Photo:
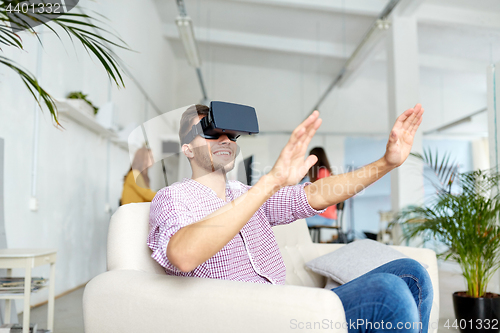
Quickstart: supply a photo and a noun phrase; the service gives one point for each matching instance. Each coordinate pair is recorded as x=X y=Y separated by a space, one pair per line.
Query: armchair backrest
x=296 y=249
x=128 y=232
x=127 y=248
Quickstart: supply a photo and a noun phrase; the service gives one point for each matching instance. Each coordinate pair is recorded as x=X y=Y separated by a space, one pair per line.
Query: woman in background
x=137 y=190
x=321 y=170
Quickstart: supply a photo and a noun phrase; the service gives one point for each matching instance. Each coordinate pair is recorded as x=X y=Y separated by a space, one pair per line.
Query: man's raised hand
x=292 y=165
x=402 y=134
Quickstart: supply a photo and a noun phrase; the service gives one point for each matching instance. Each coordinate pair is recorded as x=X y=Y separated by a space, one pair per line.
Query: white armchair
x=135 y=294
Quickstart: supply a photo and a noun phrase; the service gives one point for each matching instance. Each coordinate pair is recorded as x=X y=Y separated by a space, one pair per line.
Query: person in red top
x=318 y=171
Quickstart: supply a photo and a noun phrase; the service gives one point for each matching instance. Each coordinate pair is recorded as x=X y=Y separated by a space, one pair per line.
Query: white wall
x=73 y=163
x=448 y=97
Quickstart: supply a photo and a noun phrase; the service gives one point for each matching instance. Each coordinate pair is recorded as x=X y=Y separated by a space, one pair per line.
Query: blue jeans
x=398 y=294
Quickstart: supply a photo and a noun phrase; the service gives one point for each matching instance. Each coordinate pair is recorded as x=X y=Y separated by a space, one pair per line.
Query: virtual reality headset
x=225 y=118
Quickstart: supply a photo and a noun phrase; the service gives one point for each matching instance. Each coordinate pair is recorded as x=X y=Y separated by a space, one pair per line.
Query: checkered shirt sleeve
x=168 y=214
x=287 y=205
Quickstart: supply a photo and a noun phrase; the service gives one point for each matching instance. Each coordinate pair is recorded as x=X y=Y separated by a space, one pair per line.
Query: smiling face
x=211 y=155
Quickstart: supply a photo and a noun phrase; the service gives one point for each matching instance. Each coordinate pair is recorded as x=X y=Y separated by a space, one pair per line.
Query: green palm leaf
x=79 y=27
x=38 y=93
x=444 y=170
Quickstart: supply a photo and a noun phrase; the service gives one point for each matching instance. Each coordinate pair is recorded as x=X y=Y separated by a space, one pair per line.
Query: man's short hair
x=187 y=118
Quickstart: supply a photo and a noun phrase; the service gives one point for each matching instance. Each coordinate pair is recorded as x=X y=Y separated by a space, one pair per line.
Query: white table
x=28 y=259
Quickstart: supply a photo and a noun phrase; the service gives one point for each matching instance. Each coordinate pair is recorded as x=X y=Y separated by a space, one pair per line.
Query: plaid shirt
x=252 y=255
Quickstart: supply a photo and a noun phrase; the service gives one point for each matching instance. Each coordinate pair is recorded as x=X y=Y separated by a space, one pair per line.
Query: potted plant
x=79 y=101
x=463 y=215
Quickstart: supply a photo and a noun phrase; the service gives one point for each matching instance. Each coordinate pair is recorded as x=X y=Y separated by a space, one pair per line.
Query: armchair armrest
x=135 y=301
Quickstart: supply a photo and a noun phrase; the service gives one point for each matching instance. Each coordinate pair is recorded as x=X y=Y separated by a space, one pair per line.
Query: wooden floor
x=69 y=310
x=449 y=282
x=68 y=317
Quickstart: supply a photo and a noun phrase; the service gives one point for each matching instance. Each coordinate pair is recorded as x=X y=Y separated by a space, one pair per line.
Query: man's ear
x=187 y=150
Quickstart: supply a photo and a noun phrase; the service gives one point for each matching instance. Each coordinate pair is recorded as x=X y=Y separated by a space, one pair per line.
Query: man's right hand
x=292 y=165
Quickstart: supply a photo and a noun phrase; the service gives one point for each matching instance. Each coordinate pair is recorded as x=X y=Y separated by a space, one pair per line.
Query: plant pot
x=477 y=314
x=81 y=106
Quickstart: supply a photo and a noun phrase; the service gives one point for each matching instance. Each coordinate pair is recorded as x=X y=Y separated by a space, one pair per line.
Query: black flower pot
x=477 y=314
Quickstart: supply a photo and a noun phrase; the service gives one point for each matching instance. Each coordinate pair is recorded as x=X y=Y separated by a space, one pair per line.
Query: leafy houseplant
x=79 y=26
x=466 y=222
x=82 y=96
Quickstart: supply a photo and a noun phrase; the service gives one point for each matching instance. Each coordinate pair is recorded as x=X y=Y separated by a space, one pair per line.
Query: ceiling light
x=185 y=26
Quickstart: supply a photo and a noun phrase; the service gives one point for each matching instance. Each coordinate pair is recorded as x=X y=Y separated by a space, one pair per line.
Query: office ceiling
x=458 y=39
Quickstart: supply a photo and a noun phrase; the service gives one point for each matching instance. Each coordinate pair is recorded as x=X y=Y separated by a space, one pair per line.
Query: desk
x=28 y=259
x=315 y=232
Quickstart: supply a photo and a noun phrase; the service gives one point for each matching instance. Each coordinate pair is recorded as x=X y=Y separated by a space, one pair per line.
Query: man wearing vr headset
x=210 y=227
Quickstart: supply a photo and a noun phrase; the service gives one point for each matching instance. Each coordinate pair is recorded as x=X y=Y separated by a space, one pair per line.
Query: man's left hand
x=402 y=134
